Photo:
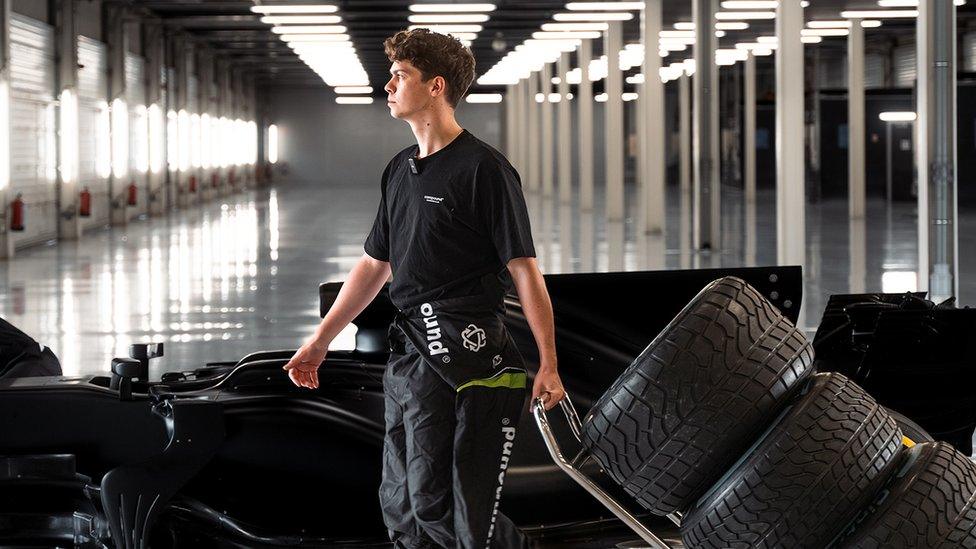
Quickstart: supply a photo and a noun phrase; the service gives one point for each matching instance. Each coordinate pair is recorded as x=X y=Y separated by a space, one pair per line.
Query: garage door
x=32 y=119
x=94 y=148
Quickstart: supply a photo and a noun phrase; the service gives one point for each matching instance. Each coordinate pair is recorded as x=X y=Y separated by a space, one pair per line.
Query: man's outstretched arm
x=363 y=283
x=534 y=297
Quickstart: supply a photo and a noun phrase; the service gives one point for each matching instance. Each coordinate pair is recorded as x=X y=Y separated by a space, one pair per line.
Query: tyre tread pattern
x=806 y=479
x=930 y=503
x=697 y=396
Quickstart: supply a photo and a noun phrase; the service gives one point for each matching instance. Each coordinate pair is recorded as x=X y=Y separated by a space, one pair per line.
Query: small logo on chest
x=433 y=199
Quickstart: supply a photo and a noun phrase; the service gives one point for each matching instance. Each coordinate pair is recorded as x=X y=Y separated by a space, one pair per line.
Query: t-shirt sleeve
x=378 y=241
x=502 y=208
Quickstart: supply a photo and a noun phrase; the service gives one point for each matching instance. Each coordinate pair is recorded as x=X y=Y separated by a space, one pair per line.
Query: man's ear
x=439 y=86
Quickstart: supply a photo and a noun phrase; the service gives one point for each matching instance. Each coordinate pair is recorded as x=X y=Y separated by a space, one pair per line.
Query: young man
x=453 y=229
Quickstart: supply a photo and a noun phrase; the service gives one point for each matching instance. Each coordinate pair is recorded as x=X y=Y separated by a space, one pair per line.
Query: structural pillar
x=117 y=41
x=523 y=130
x=6 y=196
x=652 y=109
x=856 y=186
x=154 y=48
x=684 y=130
x=533 y=114
x=509 y=124
x=545 y=85
x=614 y=124
x=69 y=222
x=790 y=170
x=564 y=138
x=749 y=127
x=706 y=225
x=585 y=113
x=938 y=238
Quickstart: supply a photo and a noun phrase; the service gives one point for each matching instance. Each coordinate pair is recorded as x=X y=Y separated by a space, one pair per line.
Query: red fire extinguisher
x=84 y=203
x=17 y=214
x=193 y=183
x=230 y=176
x=214 y=180
x=133 y=194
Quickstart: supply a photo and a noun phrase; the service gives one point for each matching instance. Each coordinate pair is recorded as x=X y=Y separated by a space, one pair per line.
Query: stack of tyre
x=723 y=420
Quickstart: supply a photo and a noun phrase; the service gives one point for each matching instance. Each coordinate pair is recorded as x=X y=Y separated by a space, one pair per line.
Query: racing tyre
x=930 y=504
x=697 y=396
x=806 y=479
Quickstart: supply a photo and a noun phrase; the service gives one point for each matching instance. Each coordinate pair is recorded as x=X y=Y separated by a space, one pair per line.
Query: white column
x=69 y=226
x=509 y=106
x=564 y=138
x=790 y=197
x=684 y=131
x=545 y=85
x=938 y=242
x=652 y=103
x=523 y=131
x=585 y=113
x=6 y=196
x=705 y=188
x=117 y=39
x=533 y=164
x=856 y=186
x=614 y=124
x=749 y=123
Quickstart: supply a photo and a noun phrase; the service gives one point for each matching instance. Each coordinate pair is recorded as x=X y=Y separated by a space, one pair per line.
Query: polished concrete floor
x=218 y=281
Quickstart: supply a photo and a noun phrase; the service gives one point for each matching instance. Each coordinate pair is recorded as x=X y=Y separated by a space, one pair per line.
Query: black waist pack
x=465 y=341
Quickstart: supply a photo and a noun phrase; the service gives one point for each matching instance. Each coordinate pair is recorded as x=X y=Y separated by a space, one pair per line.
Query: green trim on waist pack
x=505 y=380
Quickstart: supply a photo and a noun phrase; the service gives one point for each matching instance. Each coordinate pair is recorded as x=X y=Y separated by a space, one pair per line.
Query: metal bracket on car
x=571 y=468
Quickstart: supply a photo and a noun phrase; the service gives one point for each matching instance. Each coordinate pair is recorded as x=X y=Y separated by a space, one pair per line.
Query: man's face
x=407 y=93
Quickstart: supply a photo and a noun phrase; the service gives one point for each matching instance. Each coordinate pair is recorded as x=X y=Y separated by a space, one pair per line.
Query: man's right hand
x=303 y=368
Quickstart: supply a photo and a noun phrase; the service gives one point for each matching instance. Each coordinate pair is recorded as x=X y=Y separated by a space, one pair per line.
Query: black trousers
x=445 y=454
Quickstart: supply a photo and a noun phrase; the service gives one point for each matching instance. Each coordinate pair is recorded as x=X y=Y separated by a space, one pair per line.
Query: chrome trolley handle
x=569 y=467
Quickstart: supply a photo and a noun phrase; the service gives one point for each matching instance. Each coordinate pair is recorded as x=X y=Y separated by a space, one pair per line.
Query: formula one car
x=233 y=454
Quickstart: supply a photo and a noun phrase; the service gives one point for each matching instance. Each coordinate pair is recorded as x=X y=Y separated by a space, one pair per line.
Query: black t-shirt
x=461 y=217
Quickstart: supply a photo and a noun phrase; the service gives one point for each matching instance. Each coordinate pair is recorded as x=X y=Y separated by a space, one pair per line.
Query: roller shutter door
x=874 y=73
x=904 y=73
x=969 y=52
x=32 y=120
x=94 y=148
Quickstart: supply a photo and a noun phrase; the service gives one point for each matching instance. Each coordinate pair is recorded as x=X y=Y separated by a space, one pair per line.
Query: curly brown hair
x=434 y=55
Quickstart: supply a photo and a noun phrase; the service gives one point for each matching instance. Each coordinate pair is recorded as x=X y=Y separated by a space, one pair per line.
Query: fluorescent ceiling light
x=811 y=39
x=610 y=6
x=313 y=29
x=877 y=14
x=677 y=34
x=301 y=19
x=908 y=3
x=449 y=18
x=833 y=24
x=317 y=8
x=354 y=89
x=309 y=38
x=484 y=98
x=684 y=25
x=447 y=29
x=354 y=100
x=736 y=15
x=749 y=5
x=543 y=35
x=767 y=40
x=622 y=16
x=824 y=32
x=731 y=25
x=719 y=34
x=452 y=8
x=905 y=116
x=575 y=26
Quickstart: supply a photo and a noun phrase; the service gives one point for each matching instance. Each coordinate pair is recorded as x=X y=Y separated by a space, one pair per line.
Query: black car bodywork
x=233 y=453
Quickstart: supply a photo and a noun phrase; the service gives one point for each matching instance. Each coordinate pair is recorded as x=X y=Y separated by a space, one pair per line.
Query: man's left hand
x=548 y=386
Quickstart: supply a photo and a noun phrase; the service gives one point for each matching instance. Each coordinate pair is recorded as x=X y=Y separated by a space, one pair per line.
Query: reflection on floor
x=218 y=281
